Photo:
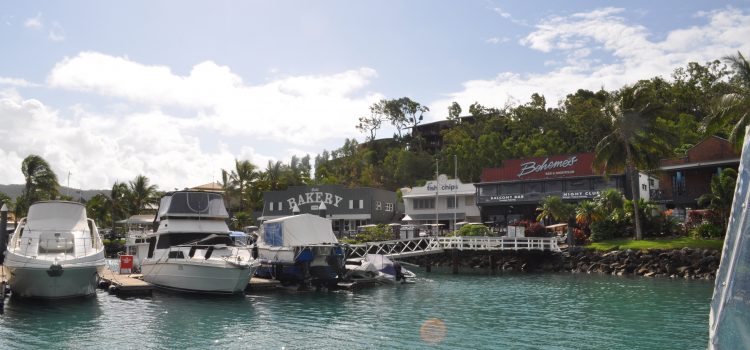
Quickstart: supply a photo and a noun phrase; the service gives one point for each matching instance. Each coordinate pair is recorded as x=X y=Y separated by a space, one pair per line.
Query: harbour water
x=442 y=311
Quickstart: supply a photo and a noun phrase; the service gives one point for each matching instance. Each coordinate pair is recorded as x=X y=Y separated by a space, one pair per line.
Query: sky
x=177 y=90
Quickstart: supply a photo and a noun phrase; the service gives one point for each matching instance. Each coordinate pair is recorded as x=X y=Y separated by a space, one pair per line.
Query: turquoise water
x=524 y=311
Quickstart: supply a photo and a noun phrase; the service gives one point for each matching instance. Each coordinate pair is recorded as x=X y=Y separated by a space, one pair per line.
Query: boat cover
x=729 y=321
x=297 y=230
x=57 y=215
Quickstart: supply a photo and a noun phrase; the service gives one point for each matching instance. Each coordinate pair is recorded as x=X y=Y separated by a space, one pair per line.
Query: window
x=280 y=207
x=451 y=202
x=553 y=186
x=378 y=205
x=679 y=185
x=488 y=190
x=651 y=182
x=532 y=187
x=351 y=204
x=361 y=204
x=388 y=206
x=643 y=186
x=356 y=204
x=426 y=203
x=510 y=188
x=270 y=206
x=577 y=185
x=469 y=201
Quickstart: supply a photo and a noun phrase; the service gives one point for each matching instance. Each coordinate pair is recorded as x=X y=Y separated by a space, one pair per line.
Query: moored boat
x=376 y=269
x=191 y=250
x=55 y=252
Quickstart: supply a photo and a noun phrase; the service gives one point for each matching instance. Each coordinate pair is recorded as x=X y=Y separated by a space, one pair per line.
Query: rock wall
x=679 y=263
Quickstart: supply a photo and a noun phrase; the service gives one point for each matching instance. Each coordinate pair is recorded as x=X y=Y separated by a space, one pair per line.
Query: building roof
x=211 y=186
x=709 y=152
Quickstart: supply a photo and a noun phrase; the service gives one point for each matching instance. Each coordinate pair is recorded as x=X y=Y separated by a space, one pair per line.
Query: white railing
x=431 y=245
x=499 y=243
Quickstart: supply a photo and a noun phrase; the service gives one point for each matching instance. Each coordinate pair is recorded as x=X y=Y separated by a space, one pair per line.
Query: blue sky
x=176 y=90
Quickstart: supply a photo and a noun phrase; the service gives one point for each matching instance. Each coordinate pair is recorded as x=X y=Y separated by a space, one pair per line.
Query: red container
x=126 y=262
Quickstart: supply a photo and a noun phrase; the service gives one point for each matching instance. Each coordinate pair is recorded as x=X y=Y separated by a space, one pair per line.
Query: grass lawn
x=667 y=243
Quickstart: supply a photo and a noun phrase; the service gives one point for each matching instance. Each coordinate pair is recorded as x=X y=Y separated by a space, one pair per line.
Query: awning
x=350 y=217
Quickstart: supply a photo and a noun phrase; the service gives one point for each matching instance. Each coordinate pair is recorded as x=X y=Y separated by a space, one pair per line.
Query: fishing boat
x=375 y=269
x=300 y=249
x=55 y=252
x=191 y=249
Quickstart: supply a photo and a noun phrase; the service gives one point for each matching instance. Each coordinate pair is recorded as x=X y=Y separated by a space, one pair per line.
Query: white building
x=455 y=203
x=647 y=184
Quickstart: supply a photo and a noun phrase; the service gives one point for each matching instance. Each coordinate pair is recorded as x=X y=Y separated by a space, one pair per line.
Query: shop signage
x=446 y=187
x=549 y=168
x=315 y=198
x=503 y=198
x=580 y=194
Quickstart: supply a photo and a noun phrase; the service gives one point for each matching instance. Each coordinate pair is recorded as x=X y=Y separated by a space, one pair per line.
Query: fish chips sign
x=540 y=168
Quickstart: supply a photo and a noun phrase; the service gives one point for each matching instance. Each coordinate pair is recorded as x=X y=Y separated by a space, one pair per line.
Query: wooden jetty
x=124 y=284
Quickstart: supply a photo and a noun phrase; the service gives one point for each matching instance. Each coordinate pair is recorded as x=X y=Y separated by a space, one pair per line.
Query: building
x=348 y=208
x=514 y=191
x=684 y=179
x=444 y=200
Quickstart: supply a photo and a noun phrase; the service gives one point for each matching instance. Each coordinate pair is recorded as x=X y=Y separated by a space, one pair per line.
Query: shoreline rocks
x=677 y=263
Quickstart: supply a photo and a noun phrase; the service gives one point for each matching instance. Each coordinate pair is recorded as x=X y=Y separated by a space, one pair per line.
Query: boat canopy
x=57 y=215
x=193 y=204
x=297 y=230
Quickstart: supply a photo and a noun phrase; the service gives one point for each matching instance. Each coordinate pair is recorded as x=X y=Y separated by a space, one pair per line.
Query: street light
x=322 y=210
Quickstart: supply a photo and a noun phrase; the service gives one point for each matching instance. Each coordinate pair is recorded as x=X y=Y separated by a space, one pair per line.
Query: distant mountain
x=14 y=191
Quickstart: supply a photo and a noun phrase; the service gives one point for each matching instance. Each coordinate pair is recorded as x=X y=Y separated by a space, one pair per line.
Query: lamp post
x=295 y=210
x=322 y=210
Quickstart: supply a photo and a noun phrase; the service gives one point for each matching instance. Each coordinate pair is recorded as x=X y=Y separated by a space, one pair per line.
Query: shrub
x=605 y=229
x=381 y=232
x=535 y=229
x=707 y=230
x=473 y=230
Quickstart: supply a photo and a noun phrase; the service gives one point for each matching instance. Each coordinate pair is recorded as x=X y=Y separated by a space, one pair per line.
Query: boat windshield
x=193 y=204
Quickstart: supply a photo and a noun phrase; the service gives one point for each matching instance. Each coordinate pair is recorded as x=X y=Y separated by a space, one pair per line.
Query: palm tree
x=637 y=140
x=99 y=209
x=586 y=213
x=553 y=207
x=41 y=182
x=244 y=173
x=735 y=105
x=610 y=202
x=722 y=194
x=118 y=202
x=141 y=194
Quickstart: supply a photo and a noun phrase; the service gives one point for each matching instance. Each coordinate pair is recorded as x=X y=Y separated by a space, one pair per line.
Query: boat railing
x=499 y=243
x=53 y=243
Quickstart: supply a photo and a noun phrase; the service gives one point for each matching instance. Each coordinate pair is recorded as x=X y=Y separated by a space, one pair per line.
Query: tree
x=141 y=194
x=119 y=202
x=735 y=105
x=586 y=213
x=637 y=140
x=100 y=210
x=553 y=207
x=372 y=123
x=722 y=194
x=41 y=183
x=240 y=178
x=454 y=113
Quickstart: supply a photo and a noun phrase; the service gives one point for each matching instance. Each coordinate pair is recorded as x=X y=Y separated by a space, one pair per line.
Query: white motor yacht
x=191 y=249
x=55 y=252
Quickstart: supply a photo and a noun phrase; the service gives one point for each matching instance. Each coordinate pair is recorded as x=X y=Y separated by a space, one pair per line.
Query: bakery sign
x=549 y=168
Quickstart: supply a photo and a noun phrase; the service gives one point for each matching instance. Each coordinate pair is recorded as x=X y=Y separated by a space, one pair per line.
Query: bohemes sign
x=550 y=168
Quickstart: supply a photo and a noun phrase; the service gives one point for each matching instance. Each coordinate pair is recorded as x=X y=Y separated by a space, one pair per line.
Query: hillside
x=14 y=191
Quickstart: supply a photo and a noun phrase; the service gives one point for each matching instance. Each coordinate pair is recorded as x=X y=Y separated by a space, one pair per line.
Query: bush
x=473 y=230
x=381 y=232
x=605 y=229
x=707 y=230
x=535 y=229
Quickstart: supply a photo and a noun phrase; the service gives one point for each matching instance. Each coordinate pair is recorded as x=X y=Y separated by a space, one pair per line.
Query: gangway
x=433 y=245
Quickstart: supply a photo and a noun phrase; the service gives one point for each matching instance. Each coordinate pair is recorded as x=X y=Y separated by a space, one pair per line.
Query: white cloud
x=34 y=22
x=632 y=55
x=99 y=150
x=300 y=109
x=15 y=82
x=56 y=32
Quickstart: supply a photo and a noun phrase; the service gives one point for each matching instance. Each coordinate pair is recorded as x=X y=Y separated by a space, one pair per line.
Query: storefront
x=513 y=192
x=348 y=208
x=443 y=202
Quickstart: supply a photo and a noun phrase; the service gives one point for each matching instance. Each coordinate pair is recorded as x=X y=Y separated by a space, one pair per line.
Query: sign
x=126 y=263
x=542 y=168
x=533 y=167
x=580 y=194
x=504 y=198
x=316 y=198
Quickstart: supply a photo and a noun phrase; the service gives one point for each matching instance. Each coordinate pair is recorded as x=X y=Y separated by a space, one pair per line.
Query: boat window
x=56 y=242
x=151 y=246
x=176 y=255
x=199 y=238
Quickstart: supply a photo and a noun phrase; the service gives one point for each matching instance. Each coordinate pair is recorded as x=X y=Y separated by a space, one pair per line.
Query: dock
x=124 y=284
x=257 y=284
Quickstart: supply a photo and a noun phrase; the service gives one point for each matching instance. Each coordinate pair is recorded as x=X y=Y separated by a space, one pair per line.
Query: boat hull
x=198 y=278
x=64 y=282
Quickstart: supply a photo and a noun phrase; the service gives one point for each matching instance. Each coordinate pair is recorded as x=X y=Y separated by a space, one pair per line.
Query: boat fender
x=104 y=284
x=113 y=289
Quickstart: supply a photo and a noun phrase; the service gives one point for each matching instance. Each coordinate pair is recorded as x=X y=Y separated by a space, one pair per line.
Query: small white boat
x=377 y=269
x=191 y=249
x=55 y=252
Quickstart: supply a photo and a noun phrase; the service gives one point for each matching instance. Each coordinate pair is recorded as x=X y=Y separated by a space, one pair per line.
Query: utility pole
x=436 y=195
